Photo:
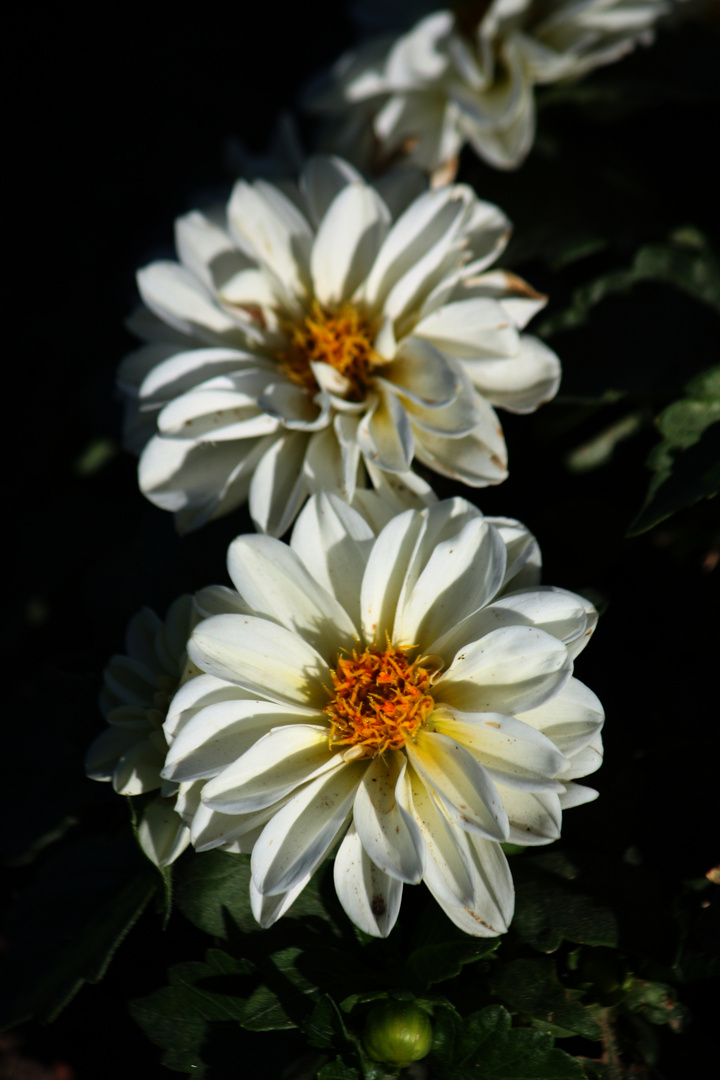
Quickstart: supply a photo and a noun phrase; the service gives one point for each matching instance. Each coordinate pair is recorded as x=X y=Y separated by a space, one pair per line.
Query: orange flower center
x=342 y=339
x=380 y=699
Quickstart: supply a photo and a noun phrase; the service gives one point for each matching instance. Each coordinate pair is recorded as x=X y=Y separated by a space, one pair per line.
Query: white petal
x=199 y=481
x=461 y=575
x=577 y=795
x=221 y=733
x=347 y=242
x=523 y=554
x=384 y=436
x=465 y=876
x=535 y=816
x=268 y=909
x=555 y=611
x=263 y=658
x=276 y=764
x=323 y=177
x=278 y=488
x=469 y=329
x=388 y=833
x=138 y=769
x=571 y=719
x=293 y=406
x=179 y=299
x=334 y=543
x=161 y=833
x=196 y=694
x=275 y=584
x=267 y=224
x=107 y=749
x=206 y=249
x=519 y=383
x=514 y=753
x=370 y=898
x=299 y=836
x=510 y=670
x=421 y=373
x=384 y=575
x=585 y=761
x=476 y=459
x=182 y=371
x=462 y=785
x=429 y=224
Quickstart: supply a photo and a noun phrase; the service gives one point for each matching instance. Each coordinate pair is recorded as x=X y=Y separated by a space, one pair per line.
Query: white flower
x=318 y=335
x=137 y=689
x=466 y=75
x=408 y=696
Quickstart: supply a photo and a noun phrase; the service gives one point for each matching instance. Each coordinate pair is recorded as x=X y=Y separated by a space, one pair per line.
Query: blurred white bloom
x=466 y=75
x=321 y=336
x=406 y=695
x=137 y=689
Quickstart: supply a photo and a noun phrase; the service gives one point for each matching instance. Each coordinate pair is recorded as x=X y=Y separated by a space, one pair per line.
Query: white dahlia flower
x=318 y=335
x=130 y=752
x=407 y=696
x=466 y=75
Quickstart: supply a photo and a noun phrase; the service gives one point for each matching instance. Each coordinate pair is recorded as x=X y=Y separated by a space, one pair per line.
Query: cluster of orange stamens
x=341 y=339
x=380 y=700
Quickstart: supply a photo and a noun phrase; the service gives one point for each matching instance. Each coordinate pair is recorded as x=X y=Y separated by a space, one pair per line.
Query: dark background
x=117 y=124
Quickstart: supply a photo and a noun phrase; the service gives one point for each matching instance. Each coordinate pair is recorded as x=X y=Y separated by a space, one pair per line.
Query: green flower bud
x=398 y=1033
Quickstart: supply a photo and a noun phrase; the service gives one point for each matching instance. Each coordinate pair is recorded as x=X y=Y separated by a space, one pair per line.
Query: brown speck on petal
x=378 y=905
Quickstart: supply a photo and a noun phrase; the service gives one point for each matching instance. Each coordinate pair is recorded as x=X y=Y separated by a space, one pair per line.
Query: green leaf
x=218 y=991
x=337 y=1070
x=532 y=987
x=549 y=909
x=212 y=889
x=436 y=963
x=685 y=261
x=687 y=462
x=66 y=928
x=488 y=1048
x=325 y=1027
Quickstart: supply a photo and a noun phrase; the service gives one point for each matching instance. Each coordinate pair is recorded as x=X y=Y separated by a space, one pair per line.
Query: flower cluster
x=392 y=688
x=466 y=75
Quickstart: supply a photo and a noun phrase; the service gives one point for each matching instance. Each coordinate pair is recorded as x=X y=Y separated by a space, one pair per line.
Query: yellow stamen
x=342 y=339
x=380 y=700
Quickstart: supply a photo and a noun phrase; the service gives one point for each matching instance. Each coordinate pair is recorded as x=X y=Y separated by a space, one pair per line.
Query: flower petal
x=388 y=833
x=469 y=880
x=571 y=718
x=278 y=488
x=514 y=753
x=535 y=816
x=334 y=543
x=384 y=574
x=274 y=766
x=261 y=657
x=161 y=832
x=519 y=383
x=274 y=583
x=179 y=299
x=266 y=224
x=384 y=436
x=297 y=839
x=347 y=242
x=222 y=733
x=462 y=574
x=510 y=670
x=462 y=785
x=370 y=897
